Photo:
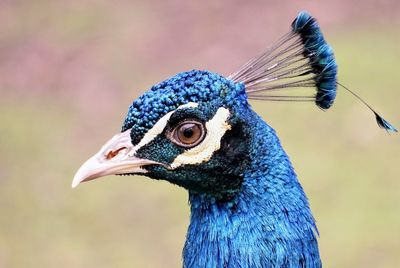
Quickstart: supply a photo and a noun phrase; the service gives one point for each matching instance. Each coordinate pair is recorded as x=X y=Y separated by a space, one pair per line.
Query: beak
x=117 y=156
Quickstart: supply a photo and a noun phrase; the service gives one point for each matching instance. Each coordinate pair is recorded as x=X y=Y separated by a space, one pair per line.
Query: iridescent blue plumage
x=248 y=208
x=184 y=87
x=302 y=58
x=267 y=224
x=321 y=58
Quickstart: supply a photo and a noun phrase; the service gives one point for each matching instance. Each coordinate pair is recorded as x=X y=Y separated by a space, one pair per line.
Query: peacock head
x=193 y=129
x=189 y=130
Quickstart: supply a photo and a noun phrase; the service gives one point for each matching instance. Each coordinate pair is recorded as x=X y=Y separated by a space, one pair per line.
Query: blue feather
x=266 y=221
x=268 y=224
x=384 y=124
x=248 y=208
x=321 y=58
x=302 y=58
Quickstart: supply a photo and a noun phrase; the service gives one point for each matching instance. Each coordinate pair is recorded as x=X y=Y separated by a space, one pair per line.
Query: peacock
x=197 y=130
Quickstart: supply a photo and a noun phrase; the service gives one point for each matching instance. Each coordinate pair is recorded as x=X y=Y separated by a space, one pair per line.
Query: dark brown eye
x=188 y=134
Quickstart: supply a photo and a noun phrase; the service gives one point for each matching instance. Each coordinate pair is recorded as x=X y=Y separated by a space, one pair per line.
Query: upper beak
x=117 y=156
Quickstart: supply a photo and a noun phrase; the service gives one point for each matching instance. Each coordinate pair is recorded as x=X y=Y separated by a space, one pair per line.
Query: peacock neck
x=268 y=223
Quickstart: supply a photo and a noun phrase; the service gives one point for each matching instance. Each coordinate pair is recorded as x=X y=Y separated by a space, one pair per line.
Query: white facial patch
x=158 y=128
x=216 y=129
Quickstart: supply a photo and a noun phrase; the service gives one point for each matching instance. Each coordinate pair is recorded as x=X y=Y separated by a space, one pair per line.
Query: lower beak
x=117 y=156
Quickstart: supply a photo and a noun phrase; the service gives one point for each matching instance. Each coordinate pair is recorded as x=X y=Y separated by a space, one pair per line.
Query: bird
x=198 y=130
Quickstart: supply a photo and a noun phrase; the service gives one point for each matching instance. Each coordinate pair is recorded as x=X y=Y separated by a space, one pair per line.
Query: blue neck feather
x=267 y=224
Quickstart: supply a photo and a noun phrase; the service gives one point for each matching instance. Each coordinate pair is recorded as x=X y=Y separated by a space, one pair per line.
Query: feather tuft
x=321 y=58
x=384 y=124
x=379 y=119
x=300 y=59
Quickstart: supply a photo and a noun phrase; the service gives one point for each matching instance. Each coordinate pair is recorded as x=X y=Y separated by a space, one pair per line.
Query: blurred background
x=69 y=71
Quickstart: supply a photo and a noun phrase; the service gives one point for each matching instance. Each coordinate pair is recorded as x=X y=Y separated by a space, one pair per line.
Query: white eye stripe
x=216 y=129
x=159 y=127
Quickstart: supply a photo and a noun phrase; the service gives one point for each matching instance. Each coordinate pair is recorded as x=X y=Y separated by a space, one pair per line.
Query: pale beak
x=117 y=156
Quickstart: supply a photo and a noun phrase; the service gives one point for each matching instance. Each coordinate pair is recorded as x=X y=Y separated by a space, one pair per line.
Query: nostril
x=111 y=154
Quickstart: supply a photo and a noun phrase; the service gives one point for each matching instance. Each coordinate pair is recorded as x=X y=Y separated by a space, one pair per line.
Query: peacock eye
x=188 y=133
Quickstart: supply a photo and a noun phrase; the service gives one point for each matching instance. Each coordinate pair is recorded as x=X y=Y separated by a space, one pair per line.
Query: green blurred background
x=69 y=71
